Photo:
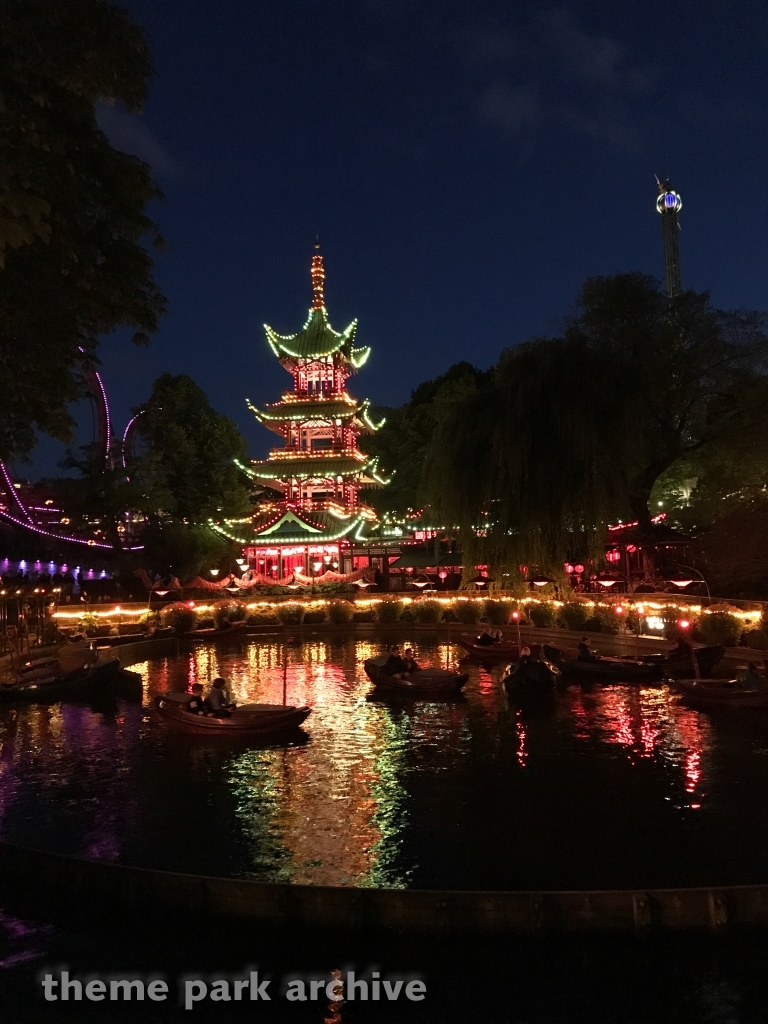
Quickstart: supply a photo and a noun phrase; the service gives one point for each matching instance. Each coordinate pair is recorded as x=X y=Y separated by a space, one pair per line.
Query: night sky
x=465 y=165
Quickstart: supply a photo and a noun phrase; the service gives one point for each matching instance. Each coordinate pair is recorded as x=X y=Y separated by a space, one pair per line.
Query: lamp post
x=516 y=620
x=610 y=581
x=683 y=579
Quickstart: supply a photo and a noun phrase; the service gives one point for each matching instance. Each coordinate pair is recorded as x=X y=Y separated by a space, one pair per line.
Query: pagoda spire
x=317 y=272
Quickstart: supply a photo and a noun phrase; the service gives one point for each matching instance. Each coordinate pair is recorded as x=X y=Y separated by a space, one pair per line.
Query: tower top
x=317 y=273
x=668 y=201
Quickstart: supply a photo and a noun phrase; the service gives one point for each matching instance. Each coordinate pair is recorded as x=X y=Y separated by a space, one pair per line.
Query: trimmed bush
x=290 y=614
x=229 y=611
x=496 y=613
x=341 y=612
x=541 y=615
x=314 y=616
x=719 y=628
x=573 y=616
x=407 y=615
x=468 y=612
x=366 y=615
x=263 y=619
x=428 y=611
x=389 y=611
x=757 y=639
x=180 y=616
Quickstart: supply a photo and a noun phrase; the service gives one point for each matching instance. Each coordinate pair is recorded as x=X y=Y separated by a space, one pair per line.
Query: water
x=618 y=787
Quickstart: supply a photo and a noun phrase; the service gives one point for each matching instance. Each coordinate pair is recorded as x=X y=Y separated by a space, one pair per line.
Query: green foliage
x=180 y=616
x=89 y=624
x=229 y=611
x=756 y=639
x=541 y=615
x=407 y=615
x=468 y=612
x=496 y=613
x=290 y=614
x=573 y=615
x=389 y=611
x=183 y=549
x=365 y=615
x=72 y=266
x=428 y=611
x=402 y=442
x=264 y=619
x=315 y=616
x=340 y=612
x=569 y=432
x=191 y=453
x=719 y=628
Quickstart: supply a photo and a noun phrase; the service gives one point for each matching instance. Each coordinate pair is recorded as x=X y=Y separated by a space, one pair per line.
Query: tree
x=190 y=454
x=72 y=265
x=570 y=432
x=402 y=442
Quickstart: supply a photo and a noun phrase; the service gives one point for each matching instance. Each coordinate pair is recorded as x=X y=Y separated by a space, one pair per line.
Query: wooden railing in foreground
x=138 y=890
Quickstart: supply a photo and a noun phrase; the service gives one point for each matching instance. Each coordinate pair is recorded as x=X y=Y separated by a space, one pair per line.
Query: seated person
x=683 y=650
x=585 y=652
x=217 y=700
x=394 y=665
x=485 y=639
x=750 y=679
x=525 y=654
x=196 y=705
x=410 y=662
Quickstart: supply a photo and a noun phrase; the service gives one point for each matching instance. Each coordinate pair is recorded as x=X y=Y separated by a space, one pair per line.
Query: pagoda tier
x=320 y=469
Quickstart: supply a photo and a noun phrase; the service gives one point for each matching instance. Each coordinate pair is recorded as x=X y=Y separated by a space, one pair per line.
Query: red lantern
x=683 y=623
x=568 y=568
x=631 y=548
x=578 y=568
x=443 y=574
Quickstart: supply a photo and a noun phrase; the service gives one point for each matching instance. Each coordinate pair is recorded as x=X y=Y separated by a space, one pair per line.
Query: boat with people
x=608 y=669
x=259 y=720
x=74 y=670
x=489 y=648
x=529 y=675
x=421 y=681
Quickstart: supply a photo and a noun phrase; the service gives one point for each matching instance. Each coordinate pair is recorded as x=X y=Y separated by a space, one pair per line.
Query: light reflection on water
x=475 y=792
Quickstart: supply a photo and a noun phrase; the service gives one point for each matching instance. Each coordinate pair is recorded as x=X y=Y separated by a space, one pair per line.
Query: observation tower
x=669 y=204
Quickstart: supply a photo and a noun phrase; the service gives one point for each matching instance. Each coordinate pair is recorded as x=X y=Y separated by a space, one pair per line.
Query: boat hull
x=718 y=693
x=60 y=687
x=425 y=681
x=250 y=720
x=619 y=670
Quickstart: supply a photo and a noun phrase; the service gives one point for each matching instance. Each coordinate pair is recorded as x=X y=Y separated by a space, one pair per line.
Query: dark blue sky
x=465 y=164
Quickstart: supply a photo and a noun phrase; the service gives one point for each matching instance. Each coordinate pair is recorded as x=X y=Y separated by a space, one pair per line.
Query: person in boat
x=411 y=664
x=683 y=651
x=217 y=700
x=585 y=651
x=525 y=655
x=750 y=679
x=485 y=639
x=394 y=665
x=196 y=705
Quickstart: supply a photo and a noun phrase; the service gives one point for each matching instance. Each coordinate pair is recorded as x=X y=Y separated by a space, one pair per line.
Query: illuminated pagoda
x=319 y=470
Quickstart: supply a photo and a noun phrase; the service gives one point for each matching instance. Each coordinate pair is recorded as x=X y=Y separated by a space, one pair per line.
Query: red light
x=578 y=568
x=613 y=556
x=515 y=616
x=631 y=548
x=619 y=609
x=568 y=568
x=191 y=604
x=684 y=624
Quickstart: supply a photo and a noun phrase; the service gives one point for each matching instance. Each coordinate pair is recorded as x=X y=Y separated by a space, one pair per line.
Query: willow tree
x=570 y=432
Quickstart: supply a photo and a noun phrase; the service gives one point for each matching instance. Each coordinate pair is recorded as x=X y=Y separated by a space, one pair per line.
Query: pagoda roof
x=317 y=339
x=318 y=466
x=317 y=407
x=294 y=526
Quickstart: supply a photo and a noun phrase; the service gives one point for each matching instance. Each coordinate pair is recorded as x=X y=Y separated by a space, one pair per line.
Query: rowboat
x=249 y=720
x=423 y=681
x=501 y=650
x=619 y=670
x=720 y=692
x=48 y=685
x=529 y=676
x=674 y=665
